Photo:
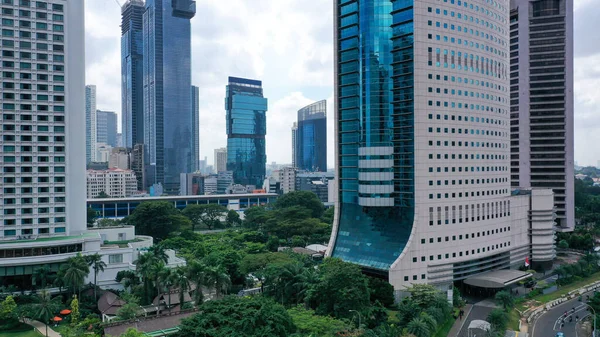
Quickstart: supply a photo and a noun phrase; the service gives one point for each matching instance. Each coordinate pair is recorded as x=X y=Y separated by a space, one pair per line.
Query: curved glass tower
x=422 y=139
x=311 y=138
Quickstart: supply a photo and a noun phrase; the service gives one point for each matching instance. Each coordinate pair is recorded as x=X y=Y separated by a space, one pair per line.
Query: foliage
x=423 y=295
x=308 y=323
x=75 y=271
x=233 y=219
x=132 y=332
x=108 y=223
x=235 y=316
x=498 y=319
x=74 y=310
x=341 y=287
x=128 y=311
x=563 y=244
x=217 y=278
x=305 y=199
x=8 y=313
x=205 y=215
x=128 y=278
x=382 y=291
x=585 y=267
x=45 y=308
x=92 y=215
x=95 y=261
x=505 y=299
x=254 y=262
x=418 y=327
x=41 y=276
x=288 y=283
x=157 y=219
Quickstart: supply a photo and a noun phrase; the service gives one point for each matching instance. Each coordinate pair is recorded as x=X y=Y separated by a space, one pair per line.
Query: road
x=554 y=321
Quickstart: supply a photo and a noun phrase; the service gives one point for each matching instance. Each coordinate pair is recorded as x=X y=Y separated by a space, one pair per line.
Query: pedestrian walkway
x=458 y=324
x=41 y=327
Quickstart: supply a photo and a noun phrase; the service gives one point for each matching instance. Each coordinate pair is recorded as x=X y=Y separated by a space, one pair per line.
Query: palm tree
x=41 y=276
x=145 y=268
x=164 y=277
x=46 y=307
x=180 y=281
x=128 y=279
x=158 y=252
x=430 y=321
x=504 y=299
x=217 y=277
x=59 y=280
x=196 y=274
x=95 y=261
x=76 y=271
x=418 y=327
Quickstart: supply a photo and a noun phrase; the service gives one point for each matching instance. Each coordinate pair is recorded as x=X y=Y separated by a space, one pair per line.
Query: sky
x=288 y=44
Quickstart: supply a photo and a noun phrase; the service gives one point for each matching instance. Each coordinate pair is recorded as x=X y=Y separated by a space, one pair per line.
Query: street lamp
x=594 y=332
x=358 y=317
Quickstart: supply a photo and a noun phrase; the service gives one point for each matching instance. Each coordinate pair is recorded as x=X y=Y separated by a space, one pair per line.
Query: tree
x=157 y=219
x=95 y=261
x=212 y=214
x=236 y=316
x=128 y=311
x=217 y=278
x=233 y=219
x=563 y=244
x=498 y=319
x=132 y=332
x=418 y=327
x=102 y=195
x=76 y=270
x=75 y=310
x=194 y=213
x=310 y=324
x=59 y=280
x=45 y=307
x=423 y=295
x=382 y=291
x=92 y=215
x=430 y=321
x=179 y=280
x=328 y=215
x=505 y=299
x=8 y=312
x=196 y=274
x=301 y=198
x=128 y=279
x=41 y=276
x=145 y=267
x=341 y=287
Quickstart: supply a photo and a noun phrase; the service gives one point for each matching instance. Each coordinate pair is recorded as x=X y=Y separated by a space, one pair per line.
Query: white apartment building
x=221 y=159
x=286 y=176
x=115 y=182
x=90 y=123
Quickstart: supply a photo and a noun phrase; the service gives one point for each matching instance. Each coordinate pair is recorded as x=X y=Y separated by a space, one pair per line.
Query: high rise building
x=90 y=123
x=221 y=159
x=246 y=127
x=120 y=158
x=168 y=131
x=541 y=101
x=137 y=165
x=422 y=118
x=294 y=143
x=196 y=127
x=114 y=182
x=132 y=72
x=311 y=138
x=192 y=184
x=106 y=128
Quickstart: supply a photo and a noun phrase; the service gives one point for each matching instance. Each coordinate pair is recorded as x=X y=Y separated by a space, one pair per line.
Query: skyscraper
x=221 y=159
x=196 y=127
x=168 y=131
x=90 y=123
x=294 y=143
x=246 y=126
x=132 y=72
x=106 y=128
x=43 y=148
x=311 y=138
x=422 y=143
x=541 y=99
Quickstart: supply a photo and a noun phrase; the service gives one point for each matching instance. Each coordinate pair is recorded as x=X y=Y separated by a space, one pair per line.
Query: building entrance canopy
x=497 y=279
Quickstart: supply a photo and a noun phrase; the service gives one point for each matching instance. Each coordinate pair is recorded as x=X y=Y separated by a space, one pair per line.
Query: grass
x=444 y=329
x=513 y=320
x=563 y=290
x=23 y=330
x=121 y=244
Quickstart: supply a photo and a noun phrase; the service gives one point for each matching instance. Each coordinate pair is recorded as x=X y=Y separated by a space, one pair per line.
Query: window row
x=29 y=169
x=466 y=194
x=30 y=180
x=40 y=118
x=35 y=4
x=30 y=201
x=466 y=80
x=494 y=209
x=41 y=210
x=28 y=76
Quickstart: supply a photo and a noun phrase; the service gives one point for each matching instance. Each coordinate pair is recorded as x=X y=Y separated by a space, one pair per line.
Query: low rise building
x=119 y=158
x=116 y=183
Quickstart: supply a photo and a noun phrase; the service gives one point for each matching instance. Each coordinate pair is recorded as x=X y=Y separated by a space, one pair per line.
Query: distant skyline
x=270 y=40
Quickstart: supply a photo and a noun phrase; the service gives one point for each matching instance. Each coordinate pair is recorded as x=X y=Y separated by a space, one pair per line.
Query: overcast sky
x=288 y=45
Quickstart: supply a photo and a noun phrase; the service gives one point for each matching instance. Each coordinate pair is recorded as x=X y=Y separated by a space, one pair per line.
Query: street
x=552 y=321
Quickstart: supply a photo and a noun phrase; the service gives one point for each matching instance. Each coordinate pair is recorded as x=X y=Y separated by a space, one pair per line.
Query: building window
x=115 y=258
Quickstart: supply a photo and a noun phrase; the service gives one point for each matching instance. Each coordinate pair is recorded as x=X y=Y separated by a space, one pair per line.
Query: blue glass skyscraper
x=132 y=73
x=311 y=138
x=246 y=126
x=168 y=118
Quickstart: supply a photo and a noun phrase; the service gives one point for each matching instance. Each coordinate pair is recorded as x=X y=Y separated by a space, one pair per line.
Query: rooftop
x=85 y=235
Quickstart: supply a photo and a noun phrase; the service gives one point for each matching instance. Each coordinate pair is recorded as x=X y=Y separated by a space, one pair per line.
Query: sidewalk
x=41 y=328
x=458 y=324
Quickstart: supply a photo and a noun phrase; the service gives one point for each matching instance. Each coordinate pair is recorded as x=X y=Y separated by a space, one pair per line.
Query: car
x=560 y=334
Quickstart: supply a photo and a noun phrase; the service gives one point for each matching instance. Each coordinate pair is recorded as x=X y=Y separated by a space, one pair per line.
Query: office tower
x=221 y=159
x=120 y=158
x=90 y=123
x=114 y=182
x=224 y=180
x=541 y=101
x=422 y=143
x=137 y=165
x=311 y=138
x=286 y=176
x=168 y=132
x=43 y=145
x=316 y=182
x=246 y=125
x=294 y=143
x=119 y=139
x=132 y=72
x=196 y=127
x=106 y=128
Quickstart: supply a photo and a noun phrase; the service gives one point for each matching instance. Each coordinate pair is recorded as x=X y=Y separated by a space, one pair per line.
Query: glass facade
x=311 y=138
x=246 y=127
x=168 y=118
x=375 y=118
x=196 y=127
x=106 y=127
x=132 y=88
